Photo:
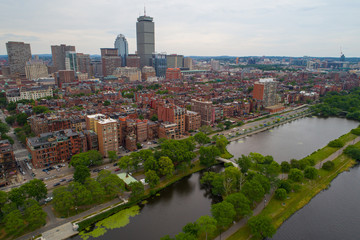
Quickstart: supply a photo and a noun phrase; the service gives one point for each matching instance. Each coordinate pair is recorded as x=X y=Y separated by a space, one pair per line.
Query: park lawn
x=226 y=155
x=326 y=151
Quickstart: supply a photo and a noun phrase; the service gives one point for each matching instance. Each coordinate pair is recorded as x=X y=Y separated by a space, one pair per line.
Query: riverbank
x=279 y=211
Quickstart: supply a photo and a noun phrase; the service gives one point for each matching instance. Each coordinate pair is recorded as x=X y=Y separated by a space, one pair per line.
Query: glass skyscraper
x=122 y=45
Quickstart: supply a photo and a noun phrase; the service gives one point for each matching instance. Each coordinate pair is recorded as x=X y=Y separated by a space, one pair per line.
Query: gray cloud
x=231 y=27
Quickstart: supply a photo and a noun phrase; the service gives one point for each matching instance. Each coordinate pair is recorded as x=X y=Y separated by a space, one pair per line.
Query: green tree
x=166 y=167
x=244 y=163
x=152 y=178
x=97 y=191
x=3 y=198
x=232 y=176
x=14 y=222
x=328 y=165
x=221 y=144
x=206 y=225
x=80 y=159
x=151 y=164
x=111 y=183
x=280 y=194
x=154 y=118
x=271 y=170
x=81 y=194
x=201 y=138
x=227 y=124
x=253 y=191
x=218 y=185
x=137 y=190
x=311 y=172
x=106 y=103
x=125 y=163
x=34 y=214
x=81 y=173
x=207 y=178
x=36 y=189
x=296 y=175
x=95 y=157
x=284 y=184
x=11 y=106
x=4 y=128
x=223 y=213
x=10 y=120
x=185 y=236
x=21 y=118
x=112 y=155
x=191 y=228
x=208 y=155
x=257 y=158
x=337 y=143
x=40 y=109
x=17 y=196
x=264 y=181
x=63 y=200
x=205 y=129
x=241 y=204
x=285 y=167
x=261 y=226
x=220 y=126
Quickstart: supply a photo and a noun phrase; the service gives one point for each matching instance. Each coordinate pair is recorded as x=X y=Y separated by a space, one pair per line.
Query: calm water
x=185 y=201
x=333 y=214
x=296 y=139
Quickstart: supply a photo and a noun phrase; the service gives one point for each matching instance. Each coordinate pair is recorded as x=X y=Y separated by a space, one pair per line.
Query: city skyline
x=236 y=28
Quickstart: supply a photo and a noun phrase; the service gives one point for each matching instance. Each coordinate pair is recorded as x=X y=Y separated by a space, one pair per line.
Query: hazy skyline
x=204 y=28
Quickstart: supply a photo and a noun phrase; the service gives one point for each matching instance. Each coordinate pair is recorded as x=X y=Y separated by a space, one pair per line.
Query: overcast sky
x=190 y=27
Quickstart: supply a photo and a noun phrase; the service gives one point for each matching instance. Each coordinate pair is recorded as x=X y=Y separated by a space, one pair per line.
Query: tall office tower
x=36 y=69
x=145 y=39
x=18 y=53
x=110 y=60
x=159 y=63
x=59 y=55
x=71 y=61
x=188 y=63
x=175 y=61
x=215 y=65
x=122 y=46
x=265 y=91
x=84 y=65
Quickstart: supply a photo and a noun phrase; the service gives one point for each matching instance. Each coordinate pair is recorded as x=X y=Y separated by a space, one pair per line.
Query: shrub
x=280 y=194
x=356 y=131
x=296 y=187
x=337 y=143
x=284 y=185
x=328 y=166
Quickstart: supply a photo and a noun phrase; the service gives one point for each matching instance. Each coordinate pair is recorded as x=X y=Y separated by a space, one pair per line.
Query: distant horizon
x=200 y=28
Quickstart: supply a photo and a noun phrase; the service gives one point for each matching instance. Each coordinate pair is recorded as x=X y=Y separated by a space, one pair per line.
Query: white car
x=48 y=199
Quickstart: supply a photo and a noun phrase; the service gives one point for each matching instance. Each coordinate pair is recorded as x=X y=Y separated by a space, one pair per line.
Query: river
x=185 y=201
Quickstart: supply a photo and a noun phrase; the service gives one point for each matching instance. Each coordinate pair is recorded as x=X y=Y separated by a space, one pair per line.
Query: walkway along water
x=262 y=204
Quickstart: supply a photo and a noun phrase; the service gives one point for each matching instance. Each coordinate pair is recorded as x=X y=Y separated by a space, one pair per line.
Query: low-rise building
x=168 y=130
x=7 y=160
x=192 y=121
x=29 y=93
x=55 y=147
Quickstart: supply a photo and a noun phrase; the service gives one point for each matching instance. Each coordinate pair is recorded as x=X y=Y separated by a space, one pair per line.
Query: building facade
x=159 y=62
x=55 y=147
x=110 y=61
x=192 y=121
x=122 y=46
x=175 y=61
x=59 y=55
x=205 y=109
x=107 y=136
x=35 y=69
x=173 y=74
x=29 y=93
x=7 y=160
x=145 y=39
x=18 y=54
x=265 y=91
x=71 y=62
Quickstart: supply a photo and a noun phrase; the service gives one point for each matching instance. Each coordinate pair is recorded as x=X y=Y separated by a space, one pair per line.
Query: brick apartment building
x=43 y=123
x=55 y=147
x=173 y=74
x=107 y=136
x=168 y=112
x=192 y=121
x=265 y=91
x=168 y=130
x=7 y=160
x=205 y=109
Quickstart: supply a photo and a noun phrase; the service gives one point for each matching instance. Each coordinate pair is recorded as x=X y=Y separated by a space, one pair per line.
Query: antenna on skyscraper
x=144 y=10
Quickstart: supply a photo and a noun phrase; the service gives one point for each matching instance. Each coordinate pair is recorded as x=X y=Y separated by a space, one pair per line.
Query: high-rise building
x=145 y=39
x=215 y=65
x=59 y=55
x=36 y=69
x=133 y=60
x=64 y=76
x=188 y=63
x=110 y=60
x=107 y=136
x=84 y=61
x=173 y=74
x=71 y=61
x=122 y=46
x=205 y=109
x=173 y=114
x=160 y=64
x=265 y=91
x=18 y=54
x=175 y=61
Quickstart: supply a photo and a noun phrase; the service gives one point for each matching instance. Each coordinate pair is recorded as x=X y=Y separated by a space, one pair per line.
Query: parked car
x=48 y=199
x=115 y=164
x=63 y=180
x=117 y=169
x=56 y=184
x=70 y=180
